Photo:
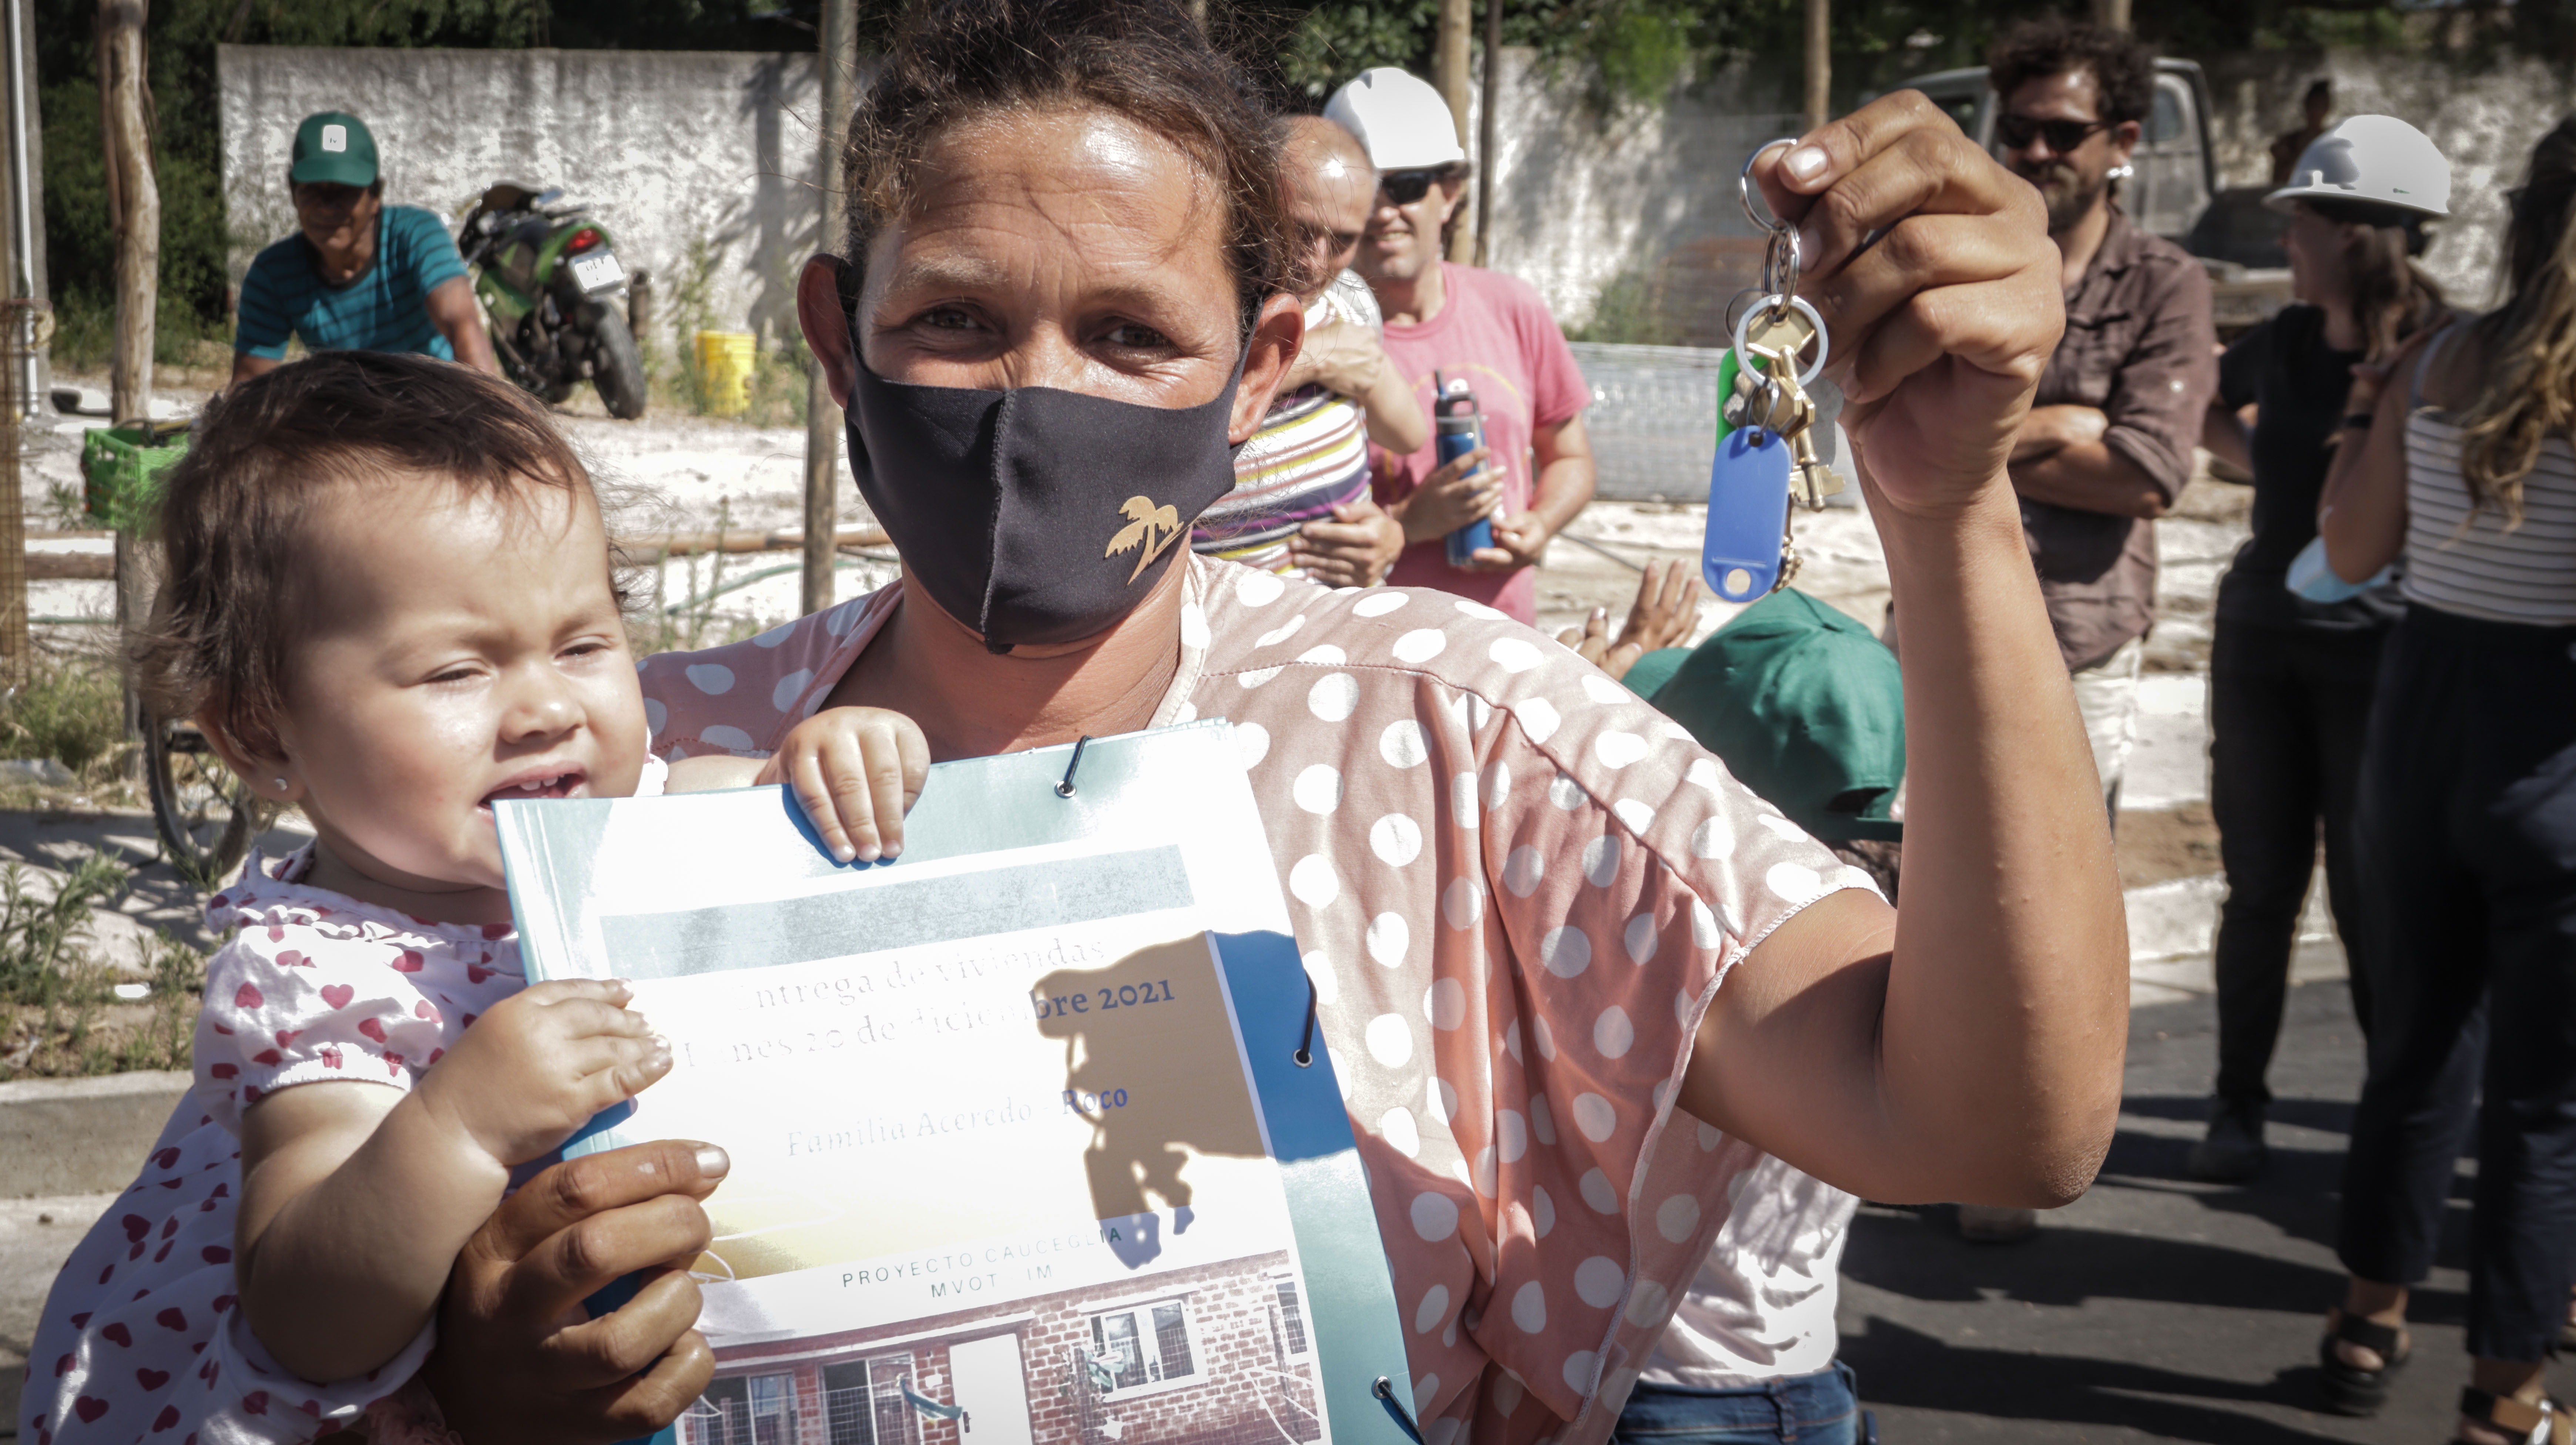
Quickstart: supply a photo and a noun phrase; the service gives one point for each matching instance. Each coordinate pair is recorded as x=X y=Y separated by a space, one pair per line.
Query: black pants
x=2287 y=710
x=2467 y=833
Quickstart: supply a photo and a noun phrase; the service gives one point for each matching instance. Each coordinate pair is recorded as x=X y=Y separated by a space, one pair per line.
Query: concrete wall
x=697 y=163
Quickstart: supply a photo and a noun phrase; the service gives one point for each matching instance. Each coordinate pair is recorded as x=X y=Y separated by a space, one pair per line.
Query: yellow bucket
x=724 y=371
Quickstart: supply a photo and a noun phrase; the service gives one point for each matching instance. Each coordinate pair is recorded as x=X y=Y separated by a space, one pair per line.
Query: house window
x=1145 y=1345
x=863 y=1402
x=1292 y=1319
x=755 y=1410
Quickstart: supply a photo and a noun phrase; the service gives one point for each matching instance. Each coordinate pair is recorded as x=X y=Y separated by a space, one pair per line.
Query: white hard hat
x=2375 y=159
x=1400 y=118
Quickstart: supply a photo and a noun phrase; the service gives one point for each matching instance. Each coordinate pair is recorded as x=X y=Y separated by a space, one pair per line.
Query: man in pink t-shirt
x=1463 y=322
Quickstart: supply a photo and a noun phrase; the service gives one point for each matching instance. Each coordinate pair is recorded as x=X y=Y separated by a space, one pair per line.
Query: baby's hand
x=535 y=1068
x=857 y=770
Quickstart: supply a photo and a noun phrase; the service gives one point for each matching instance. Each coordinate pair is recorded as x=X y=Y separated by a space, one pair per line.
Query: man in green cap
x=360 y=275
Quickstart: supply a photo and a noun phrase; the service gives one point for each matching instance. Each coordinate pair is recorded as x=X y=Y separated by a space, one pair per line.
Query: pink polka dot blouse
x=1517 y=887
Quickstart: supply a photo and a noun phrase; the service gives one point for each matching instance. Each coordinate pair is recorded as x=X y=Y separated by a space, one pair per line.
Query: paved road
x=2154 y=1308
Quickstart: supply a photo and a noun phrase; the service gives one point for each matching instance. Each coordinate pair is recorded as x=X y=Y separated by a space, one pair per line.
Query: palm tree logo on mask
x=1151 y=527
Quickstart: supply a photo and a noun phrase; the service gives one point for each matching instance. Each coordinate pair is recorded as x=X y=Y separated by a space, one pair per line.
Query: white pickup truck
x=2175 y=193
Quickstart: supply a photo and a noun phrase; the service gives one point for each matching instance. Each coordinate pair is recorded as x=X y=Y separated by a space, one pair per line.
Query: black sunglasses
x=1406 y=187
x=2018 y=131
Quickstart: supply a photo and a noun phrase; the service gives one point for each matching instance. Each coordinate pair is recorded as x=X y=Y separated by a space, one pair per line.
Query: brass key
x=1774 y=338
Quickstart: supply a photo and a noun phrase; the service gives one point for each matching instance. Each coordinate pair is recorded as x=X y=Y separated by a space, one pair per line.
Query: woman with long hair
x=2290 y=679
x=2466 y=827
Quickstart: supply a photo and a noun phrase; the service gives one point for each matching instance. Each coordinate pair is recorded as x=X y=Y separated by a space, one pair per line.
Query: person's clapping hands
x=1355 y=549
x=856 y=770
x=1664 y=615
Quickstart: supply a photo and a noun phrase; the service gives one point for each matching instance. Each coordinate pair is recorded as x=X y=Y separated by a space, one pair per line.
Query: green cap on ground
x=1805 y=706
x=333 y=148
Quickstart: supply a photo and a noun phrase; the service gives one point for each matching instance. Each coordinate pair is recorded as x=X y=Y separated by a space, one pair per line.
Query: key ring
x=1744 y=188
x=1779 y=270
x=1824 y=344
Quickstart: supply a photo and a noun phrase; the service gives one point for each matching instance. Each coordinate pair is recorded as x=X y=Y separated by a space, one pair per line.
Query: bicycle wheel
x=205 y=815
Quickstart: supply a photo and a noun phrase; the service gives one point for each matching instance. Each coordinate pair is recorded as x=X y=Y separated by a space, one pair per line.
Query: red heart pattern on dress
x=373 y=1028
x=286 y=1037
x=338 y=995
x=89 y=1408
x=167 y=1419
x=423 y=1010
x=171 y=1318
x=410 y=962
x=248 y=996
x=225 y=1071
x=136 y=1226
x=167 y=1158
x=330 y=1056
x=115 y=1330
x=152 y=1379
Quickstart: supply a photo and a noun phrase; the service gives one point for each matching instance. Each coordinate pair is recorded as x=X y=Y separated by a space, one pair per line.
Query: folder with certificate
x=1032 y=1134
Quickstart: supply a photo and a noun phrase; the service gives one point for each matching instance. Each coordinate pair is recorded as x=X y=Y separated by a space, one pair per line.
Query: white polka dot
x=1566 y=793
x=1342 y=1081
x=1396 y=839
x=1282 y=632
x=1636 y=815
x=1194 y=627
x=790 y=688
x=1498 y=785
x=1674 y=731
x=1529 y=1307
x=1255 y=678
x=1704 y=932
x=1462 y=800
x=1537 y=717
x=1566 y=951
x=1420 y=645
x=1313 y=882
x=1617 y=750
x=1662 y=1094
x=1613 y=1034
x=1445 y=1430
x=1258 y=589
x=1647 y=1303
x=1682 y=1004
x=775 y=635
x=1318 y=789
x=1522 y=870
x=1462 y=902
x=1512 y=1039
x=1328 y=989
x=1543 y=1036
x=1442 y=1099
x=1595 y=1118
x=1398 y=1130
x=1423 y=1387
x=1615 y=1387
x=676 y=753
x=1390 y=1040
x=841 y=619
x=1542 y=1212
x=1599 y=1281
x=712 y=678
x=1542 y=1120
x=1710 y=1136
x=1251 y=744
x=1435 y=1216
x=1508 y=1392
x=1324 y=654
x=1781 y=827
x=731 y=739
x=1333 y=696
x=1580 y=1367
x=1479 y=713
x=656 y=715
x=1598 y=1194
x=1706 y=773
x=1514 y=654
x=1380 y=602
x=1794 y=881
x=1402 y=746
x=1387 y=938
x=1736 y=1186
x=1677 y=1218
x=1485 y=1171
x=1480 y=610
x=1639 y=938
x=1601 y=860
x=1445 y=1004
x=1428 y=1315
x=1189 y=713
x=1605 y=692
x=1712 y=839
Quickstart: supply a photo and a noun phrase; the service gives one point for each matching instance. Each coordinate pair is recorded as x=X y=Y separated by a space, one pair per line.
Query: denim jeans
x=1818 y=1409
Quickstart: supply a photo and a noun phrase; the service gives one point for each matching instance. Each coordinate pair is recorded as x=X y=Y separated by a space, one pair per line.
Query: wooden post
x=134 y=206
x=1485 y=151
x=1451 y=75
x=836 y=58
x=2111 y=14
x=1820 y=62
x=17 y=331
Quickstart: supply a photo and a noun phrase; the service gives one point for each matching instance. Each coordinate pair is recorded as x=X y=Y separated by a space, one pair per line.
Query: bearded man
x=2108 y=444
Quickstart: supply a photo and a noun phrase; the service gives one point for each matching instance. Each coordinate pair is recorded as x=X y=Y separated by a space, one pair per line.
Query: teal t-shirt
x=385 y=309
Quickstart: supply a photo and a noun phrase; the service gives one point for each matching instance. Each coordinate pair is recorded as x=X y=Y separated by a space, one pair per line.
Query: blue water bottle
x=1459 y=429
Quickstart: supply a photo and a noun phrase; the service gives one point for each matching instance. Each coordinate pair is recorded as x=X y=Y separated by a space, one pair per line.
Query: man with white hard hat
x=1470 y=325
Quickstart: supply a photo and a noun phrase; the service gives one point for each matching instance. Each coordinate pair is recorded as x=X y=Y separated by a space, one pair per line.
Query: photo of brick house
x=1217 y=1354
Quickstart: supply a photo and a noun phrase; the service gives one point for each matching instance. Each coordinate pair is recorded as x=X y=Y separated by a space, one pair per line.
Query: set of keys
x=1766 y=451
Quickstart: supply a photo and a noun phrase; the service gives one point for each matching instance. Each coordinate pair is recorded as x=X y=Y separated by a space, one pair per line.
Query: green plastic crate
x=122 y=470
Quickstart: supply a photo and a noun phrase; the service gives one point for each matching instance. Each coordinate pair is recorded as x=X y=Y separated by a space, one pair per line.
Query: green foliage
x=72 y=710
x=1628 y=311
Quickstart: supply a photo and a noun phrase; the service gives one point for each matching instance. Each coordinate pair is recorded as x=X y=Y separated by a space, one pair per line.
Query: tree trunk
x=2111 y=14
x=135 y=202
x=1452 y=68
x=1485 y=147
x=1820 y=62
x=838 y=36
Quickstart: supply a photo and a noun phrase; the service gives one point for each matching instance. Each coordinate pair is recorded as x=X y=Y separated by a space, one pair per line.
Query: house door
x=988 y=1383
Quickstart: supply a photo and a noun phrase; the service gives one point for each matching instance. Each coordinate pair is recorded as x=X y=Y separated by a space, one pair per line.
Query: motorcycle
x=552 y=286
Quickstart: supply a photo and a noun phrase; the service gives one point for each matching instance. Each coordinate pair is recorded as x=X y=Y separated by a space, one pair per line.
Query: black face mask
x=1036 y=515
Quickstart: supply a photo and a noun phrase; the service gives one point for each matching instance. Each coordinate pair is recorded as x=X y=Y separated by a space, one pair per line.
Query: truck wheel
x=617 y=367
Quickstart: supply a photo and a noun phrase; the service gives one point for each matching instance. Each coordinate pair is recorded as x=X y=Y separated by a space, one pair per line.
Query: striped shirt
x=385 y=309
x=1310 y=456
x=2468 y=559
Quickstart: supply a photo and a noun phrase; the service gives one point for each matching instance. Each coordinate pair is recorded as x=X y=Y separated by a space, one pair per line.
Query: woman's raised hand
x=1933 y=269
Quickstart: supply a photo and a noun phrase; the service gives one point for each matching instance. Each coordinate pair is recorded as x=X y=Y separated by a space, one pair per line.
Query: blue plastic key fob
x=1748 y=507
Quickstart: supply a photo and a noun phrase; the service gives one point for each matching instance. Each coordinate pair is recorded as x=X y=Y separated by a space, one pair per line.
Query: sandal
x=2546 y=1423
x=2350 y=1389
